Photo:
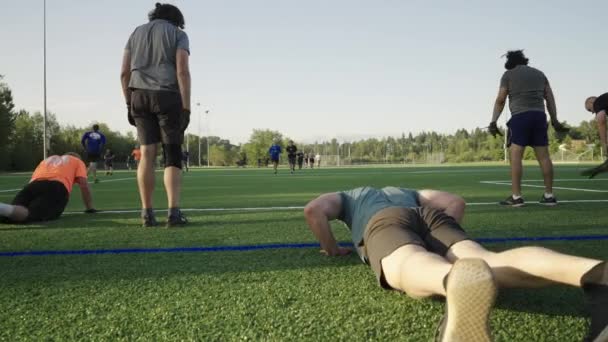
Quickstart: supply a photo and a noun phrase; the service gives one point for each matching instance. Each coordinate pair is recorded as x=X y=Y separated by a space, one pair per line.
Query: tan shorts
x=394 y=227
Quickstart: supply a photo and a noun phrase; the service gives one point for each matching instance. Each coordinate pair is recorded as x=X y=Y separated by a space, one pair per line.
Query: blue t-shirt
x=274 y=151
x=361 y=204
x=93 y=142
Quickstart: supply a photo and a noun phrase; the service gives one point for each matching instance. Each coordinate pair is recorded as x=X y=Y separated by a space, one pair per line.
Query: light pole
x=198 y=105
x=208 y=135
x=44 y=132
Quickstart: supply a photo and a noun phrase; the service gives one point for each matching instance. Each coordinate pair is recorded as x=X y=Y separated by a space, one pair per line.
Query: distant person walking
x=155 y=78
x=93 y=143
x=311 y=160
x=527 y=89
x=318 y=158
x=291 y=155
x=275 y=153
x=109 y=162
x=300 y=158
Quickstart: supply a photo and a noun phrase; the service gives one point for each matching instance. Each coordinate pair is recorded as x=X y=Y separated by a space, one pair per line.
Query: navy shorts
x=528 y=129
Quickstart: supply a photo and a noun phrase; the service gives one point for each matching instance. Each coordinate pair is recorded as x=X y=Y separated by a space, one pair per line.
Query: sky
x=311 y=69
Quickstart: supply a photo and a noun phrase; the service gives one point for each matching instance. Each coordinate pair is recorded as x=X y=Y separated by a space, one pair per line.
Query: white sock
x=6 y=210
x=516 y=197
x=548 y=195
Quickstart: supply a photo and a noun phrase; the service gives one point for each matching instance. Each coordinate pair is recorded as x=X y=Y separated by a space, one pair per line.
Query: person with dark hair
x=527 y=89
x=311 y=160
x=300 y=158
x=414 y=243
x=275 y=152
x=109 y=162
x=599 y=106
x=155 y=77
x=291 y=155
x=93 y=143
x=47 y=194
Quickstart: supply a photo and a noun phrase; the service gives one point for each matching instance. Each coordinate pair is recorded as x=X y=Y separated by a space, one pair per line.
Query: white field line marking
x=299 y=207
x=541 y=186
x=105 y=181
x=555 y=180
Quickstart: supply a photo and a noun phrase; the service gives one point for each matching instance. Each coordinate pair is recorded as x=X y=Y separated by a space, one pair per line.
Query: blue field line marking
x=274 y=246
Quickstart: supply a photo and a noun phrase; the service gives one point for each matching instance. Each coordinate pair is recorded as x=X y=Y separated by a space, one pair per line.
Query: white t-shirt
x=318 y=157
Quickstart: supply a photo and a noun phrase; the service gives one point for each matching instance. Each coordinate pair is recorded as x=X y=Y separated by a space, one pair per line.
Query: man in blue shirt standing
x=275 y=152
x=93 y=143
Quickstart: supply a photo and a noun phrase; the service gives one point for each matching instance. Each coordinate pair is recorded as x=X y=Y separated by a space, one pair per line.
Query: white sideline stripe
x=541 y=186
x=105 y=181
x=10 y=190
x=555 y=180
x=300 y=207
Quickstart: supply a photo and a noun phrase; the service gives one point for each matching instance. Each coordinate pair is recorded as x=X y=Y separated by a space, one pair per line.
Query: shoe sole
x=548 y=204
x=603 y=336
x=471 y=292
x=518 y=205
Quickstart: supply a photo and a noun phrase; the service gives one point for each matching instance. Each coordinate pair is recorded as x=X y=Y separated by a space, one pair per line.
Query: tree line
x=21 y=143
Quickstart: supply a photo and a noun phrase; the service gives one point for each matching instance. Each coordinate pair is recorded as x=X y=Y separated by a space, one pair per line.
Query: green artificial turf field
x=252 y=288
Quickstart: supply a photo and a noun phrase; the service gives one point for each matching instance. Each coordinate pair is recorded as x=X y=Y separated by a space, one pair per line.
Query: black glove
x=129 y=115
x=91 y=211
x=558 y=127
x=185 y=119
x=493 y=129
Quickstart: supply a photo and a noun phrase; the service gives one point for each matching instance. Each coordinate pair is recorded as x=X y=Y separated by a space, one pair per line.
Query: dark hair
x=515 y=58
x=96 y=127
x=168 y=12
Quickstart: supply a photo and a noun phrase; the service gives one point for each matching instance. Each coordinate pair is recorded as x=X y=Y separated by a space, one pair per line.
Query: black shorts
x=292 y=159
x=158 y=116
x=45 y=200
x=395 y=227
x=93 y=157
x=528 y=129
x=274 y=160
x=109 y=163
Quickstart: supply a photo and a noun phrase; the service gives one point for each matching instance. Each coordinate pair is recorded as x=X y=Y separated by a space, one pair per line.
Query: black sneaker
x=595 y=285
x=470 y=294
x=548 y=201
x=510 y=201
x=178 y=220
x=149 y=221
x=594 y=171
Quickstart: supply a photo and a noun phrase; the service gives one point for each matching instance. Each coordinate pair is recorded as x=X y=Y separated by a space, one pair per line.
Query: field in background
x=243 y=271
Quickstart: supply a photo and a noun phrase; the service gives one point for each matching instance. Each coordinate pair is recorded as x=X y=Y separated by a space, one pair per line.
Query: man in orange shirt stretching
x=48 y=192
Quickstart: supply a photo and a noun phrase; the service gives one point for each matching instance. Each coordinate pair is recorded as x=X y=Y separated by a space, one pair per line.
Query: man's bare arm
x=125 y=75
x=451 y=204
x=85 y=191
x=318 y=213
x=551 y=107
x=499 y=104
x=183 y=77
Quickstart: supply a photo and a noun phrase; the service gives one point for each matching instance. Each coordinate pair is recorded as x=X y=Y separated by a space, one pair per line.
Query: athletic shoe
x=510 y=201
x=149 y=221
x=594 y=171
x=178 y=220
x=470 y=294
x=548 y=201
x=595 y=285
x=96 y=181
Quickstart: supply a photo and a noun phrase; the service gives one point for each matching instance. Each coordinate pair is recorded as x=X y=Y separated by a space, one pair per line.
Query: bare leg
x=173 y=186
x=526 y=266
x=145 y=174
x=517 y=154
x=542 y=155
x=415 y=271
x=15 y=213
x=601 y=126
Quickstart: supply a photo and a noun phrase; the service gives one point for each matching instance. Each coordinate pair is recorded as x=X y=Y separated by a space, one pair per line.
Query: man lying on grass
x=414 y=243
x=45 y=197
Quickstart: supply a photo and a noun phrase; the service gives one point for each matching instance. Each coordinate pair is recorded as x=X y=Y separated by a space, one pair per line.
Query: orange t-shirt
x=136 y=154
x=64 y=169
